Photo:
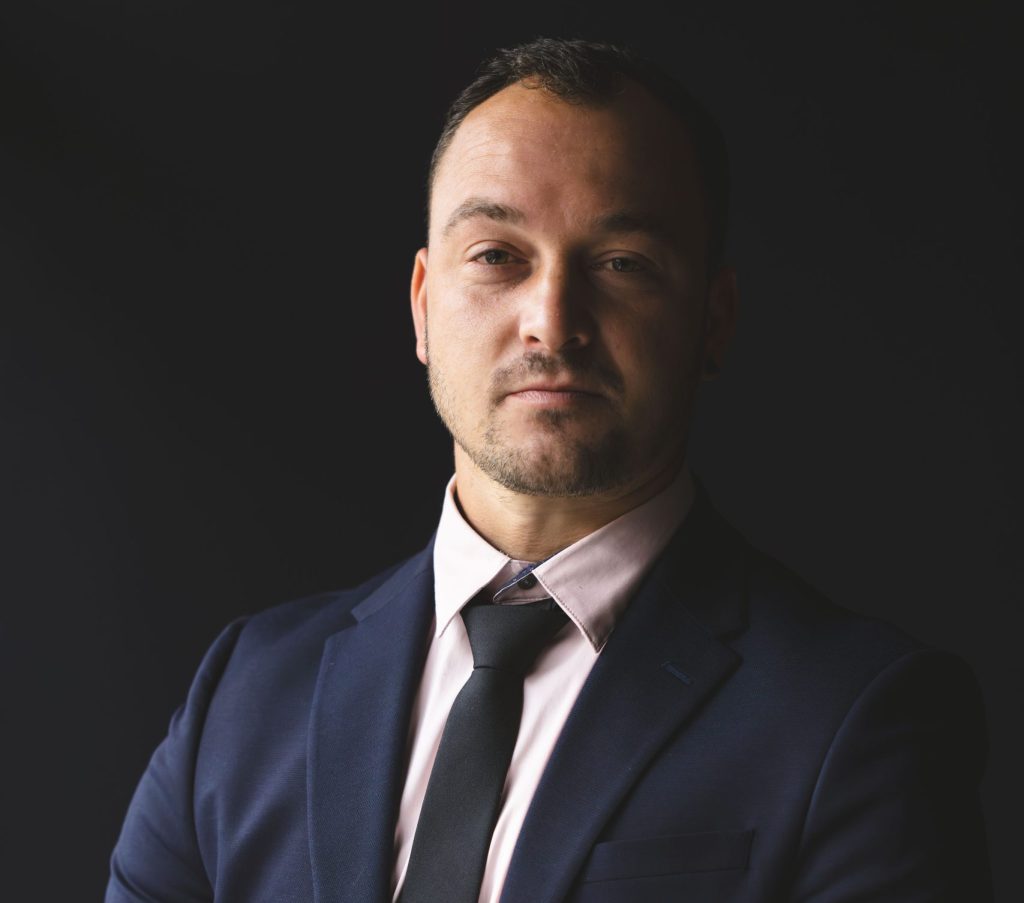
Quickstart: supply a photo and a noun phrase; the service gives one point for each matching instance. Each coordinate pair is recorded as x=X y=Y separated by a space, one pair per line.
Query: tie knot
x=510 y=637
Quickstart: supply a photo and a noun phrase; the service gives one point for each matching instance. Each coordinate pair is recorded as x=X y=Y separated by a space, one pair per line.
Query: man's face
x=566 y=293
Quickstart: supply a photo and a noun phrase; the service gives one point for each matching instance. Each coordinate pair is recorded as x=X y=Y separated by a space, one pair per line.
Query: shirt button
x=528 y=582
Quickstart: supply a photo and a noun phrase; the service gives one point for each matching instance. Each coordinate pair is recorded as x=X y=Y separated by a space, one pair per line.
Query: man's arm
x=157 y=857
x=895 y=816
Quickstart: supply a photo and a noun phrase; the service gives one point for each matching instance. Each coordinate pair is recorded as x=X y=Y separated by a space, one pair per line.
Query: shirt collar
x=592 y=580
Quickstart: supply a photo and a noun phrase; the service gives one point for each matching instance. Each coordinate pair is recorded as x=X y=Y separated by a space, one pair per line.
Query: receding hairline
x=593 y=74
x=533 y=83
x=501 y=212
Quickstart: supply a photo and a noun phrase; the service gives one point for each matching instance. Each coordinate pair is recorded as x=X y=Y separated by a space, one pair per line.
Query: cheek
x=460 y=350
x=653 y=354
x=469 y=327
x=677 y=337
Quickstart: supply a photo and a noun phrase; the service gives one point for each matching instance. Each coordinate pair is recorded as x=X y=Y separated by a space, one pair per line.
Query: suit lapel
x=368 y=678
x=660 y=664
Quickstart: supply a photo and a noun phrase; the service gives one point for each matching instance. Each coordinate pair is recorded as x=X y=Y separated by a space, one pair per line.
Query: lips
x=548 y=395
x=554 y=378
x=554 y=387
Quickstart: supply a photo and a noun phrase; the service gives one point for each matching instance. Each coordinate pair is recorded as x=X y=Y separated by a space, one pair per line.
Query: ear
x=719 y=320
x=418 y=297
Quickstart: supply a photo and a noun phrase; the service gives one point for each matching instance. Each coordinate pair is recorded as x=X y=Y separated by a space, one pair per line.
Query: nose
x=555 y=314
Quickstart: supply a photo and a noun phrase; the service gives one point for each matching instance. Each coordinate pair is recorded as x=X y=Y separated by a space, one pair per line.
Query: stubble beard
x=565 y=467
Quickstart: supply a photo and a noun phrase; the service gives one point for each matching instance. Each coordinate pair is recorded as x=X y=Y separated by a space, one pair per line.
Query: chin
x=569 y=469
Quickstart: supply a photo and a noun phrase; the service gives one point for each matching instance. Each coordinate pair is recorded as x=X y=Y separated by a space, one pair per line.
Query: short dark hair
x=590 y=73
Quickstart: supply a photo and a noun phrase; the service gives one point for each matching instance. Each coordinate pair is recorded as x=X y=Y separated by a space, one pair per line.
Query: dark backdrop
x=210 y=401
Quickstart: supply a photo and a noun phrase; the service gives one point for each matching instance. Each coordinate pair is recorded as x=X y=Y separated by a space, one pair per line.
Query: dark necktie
x=453 y=834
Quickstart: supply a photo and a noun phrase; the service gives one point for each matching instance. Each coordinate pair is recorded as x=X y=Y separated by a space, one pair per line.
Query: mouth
x=553 y=396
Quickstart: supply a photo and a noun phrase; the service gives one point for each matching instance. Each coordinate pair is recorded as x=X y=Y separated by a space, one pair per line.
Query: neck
x=534 y=527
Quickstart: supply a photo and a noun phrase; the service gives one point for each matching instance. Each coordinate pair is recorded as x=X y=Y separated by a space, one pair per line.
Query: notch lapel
x=368 y=678
x=661 y=663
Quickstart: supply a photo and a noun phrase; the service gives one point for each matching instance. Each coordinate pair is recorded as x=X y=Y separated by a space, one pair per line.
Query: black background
x=210 y=401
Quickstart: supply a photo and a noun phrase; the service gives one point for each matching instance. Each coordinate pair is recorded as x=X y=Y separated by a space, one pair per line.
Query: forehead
x=527 y=148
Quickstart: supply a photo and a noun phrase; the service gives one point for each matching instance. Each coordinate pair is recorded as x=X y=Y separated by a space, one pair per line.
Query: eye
x=493 y=257
x=622 y=264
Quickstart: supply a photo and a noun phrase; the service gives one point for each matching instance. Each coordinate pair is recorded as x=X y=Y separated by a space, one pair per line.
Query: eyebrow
x=624 y=222
x=620 y=222
x=473 y=207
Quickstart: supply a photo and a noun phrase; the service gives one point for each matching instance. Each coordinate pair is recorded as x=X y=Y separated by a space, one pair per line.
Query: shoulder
x=800 y=620
x=311 y=619
x=842 y=681
x=270 y=660
x=791 y=635
x=814 y=655
x=288 y=637
x=756 y=602
x=786 y=607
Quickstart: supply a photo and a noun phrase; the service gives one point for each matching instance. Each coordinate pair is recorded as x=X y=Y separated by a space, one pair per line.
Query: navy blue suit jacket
x=740 y=738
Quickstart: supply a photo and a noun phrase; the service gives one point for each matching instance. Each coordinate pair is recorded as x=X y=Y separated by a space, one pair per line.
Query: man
x=587 y=686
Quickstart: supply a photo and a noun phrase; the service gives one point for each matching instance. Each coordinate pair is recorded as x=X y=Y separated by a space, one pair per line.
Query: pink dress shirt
x=592 y=580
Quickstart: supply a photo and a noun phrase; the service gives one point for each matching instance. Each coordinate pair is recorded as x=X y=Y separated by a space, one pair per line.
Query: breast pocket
x=672 y=854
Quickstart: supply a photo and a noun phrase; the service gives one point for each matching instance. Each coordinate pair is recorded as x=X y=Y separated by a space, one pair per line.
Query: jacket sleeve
x=895 y=816
x=157 y=857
